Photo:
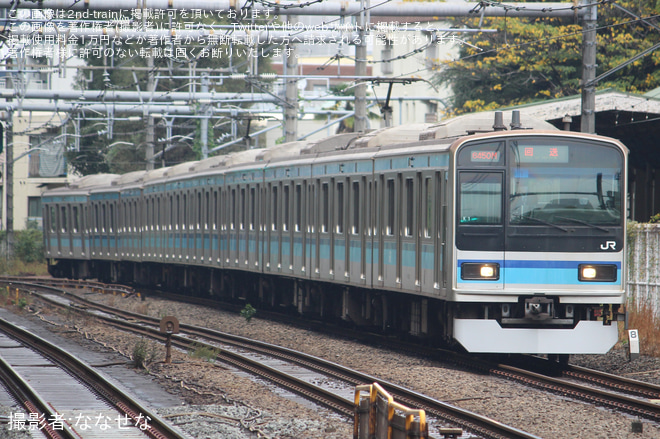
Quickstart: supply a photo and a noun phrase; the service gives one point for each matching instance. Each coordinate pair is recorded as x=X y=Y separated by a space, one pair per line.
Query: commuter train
x=503 y=239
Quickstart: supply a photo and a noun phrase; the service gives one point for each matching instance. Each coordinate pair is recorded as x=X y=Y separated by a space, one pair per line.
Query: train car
x=502 y=240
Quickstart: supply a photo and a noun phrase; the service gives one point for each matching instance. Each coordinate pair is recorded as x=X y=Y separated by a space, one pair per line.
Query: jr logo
x=608 y=245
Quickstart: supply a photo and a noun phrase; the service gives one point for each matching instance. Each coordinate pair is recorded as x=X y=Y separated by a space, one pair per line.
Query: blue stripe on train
x=541 y=272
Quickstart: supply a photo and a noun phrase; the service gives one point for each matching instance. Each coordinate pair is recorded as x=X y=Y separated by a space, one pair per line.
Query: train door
x=207 y=227
x=85 y=229
x=379 y=231
x=286 y=233
x=253 y=193
x=221 y=233
x=271 y=244
x=241 y=227
x=232 y=224
x=64 y=231
x=325 y=248
x=339 y=232
x=198 y=222
x=434 y=231
x=357 y=230
x=410 y=259
x=313 y=227
x=370 y=230
x=391 y=244
x=215 y=225
x=299 y=257
x=431 y=230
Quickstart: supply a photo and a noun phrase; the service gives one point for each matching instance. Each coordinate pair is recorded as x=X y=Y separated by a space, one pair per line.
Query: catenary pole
x=588 y=119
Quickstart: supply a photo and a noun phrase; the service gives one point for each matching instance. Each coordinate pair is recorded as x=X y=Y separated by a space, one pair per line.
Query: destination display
x=542 y=153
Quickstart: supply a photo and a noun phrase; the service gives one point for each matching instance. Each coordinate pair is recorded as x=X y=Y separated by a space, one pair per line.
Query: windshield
x=564 y=183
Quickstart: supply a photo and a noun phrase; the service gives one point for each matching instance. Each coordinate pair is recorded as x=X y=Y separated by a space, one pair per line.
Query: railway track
x=66 y=399
x=619 y=393
x=326 y=383
x=614 y=392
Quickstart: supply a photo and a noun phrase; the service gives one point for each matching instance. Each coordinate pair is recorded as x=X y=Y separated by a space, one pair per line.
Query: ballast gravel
x=222 y=403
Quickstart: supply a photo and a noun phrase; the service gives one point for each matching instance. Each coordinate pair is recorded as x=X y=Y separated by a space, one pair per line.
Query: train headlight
x=480 y=271
x=597 y=272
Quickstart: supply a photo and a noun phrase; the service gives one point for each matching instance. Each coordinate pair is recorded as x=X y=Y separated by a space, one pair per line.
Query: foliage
x=644 y=318
x=144 y=353
x=532 y=59
x=28 y=244
x=346 y=125
x=655 y=219
x=117 y=143
x=22 y=303
x=204 y=352
x=248 y=312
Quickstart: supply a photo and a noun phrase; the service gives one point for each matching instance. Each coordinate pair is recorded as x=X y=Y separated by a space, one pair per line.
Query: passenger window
x=243 y=206
x=76 y=220
x=274 y=208
x=285 y=213
x=389 y=226
x=253 y=207
x=340 y=207
x=356 y=208
x=298 y=226
x=63 y=218
x=53 y=219
x=184 y=212
x=325 y=206
x=428 y=201
x=410 y=193
x=112 y=217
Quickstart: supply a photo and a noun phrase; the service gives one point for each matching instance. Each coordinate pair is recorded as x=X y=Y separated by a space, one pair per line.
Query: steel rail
x=157 y=428
x=636 y=406
x=482 y=425
x=31 y=401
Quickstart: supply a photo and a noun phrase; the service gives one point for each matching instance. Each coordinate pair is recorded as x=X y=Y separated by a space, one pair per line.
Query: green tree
x=124 y=67
x=533 y=59
x=29 y=246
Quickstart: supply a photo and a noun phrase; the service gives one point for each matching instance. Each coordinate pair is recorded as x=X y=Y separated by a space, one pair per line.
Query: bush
x=29 y=244
x=248 y=312
x=144 y=353
x=204 y=352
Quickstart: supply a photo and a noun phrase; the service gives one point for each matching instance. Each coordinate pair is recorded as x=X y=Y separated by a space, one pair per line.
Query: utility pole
x=204 y=125
x=290 y=90
x=9 y=180
x=360 y=123
x=588 y=119
x=149 y=152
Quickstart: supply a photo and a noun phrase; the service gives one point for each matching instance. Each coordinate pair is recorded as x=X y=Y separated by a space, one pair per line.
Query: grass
x=204 y=352
x=15 y=267
x=644 y=319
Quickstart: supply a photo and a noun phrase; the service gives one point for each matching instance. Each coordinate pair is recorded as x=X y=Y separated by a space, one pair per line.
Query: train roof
x=484 y=122
x=390 y=139
x=180 y=169
x=95 y=180
x=130 y=178
x=390 y=136
x=279 y=151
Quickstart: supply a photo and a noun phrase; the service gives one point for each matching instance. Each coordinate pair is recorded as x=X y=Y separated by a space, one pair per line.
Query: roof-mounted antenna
x=515 y=120
x=499 y=122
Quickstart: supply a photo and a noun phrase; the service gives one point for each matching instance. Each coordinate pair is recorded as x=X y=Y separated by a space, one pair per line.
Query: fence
x=644 y=264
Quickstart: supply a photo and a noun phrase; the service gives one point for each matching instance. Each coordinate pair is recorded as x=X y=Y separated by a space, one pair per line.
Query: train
x=503 y=239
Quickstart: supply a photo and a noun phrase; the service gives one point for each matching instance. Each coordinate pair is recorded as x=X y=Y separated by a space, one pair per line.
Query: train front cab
x=539 y=243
